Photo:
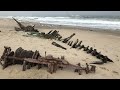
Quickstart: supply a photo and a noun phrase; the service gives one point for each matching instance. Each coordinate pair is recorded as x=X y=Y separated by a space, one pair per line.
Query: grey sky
x=58 y=13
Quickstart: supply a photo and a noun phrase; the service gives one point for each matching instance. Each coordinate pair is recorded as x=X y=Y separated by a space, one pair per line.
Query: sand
x=106 y=43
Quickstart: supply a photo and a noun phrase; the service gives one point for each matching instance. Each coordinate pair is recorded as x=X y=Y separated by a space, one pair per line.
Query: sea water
x=100 y=22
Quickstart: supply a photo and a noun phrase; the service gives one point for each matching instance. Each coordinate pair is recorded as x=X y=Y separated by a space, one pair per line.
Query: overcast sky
x=58 y=13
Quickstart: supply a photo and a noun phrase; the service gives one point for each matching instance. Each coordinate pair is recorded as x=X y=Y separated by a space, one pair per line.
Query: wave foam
x=85 y=22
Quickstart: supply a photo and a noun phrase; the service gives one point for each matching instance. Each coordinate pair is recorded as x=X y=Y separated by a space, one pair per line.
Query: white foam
x=85 y=22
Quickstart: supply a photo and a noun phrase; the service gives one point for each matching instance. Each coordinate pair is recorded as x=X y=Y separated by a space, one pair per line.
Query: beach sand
x=105 y=42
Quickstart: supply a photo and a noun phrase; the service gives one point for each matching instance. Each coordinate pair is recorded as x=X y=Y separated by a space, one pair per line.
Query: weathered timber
x=94 y=52
x=6 y=51
x=99 y=56
x=79 y=44
x=71 y=43
x=58 y=45
x=50 y=32
x=68 y=38
x=79 y=69
x=35 y=59
x=82 y=46
x=24 y=65
x=50 y=35
x=93 y=68
x=20 y=25
x=75 y=44
x=89 y=50
x=53 y=35
x=59 y=38
x=105 y=57
x=97 y=62
x=87 y=70
x=23 y=28
x=86 y=48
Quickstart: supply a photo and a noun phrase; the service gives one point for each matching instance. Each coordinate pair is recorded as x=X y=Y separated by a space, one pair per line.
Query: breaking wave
x=90 y=22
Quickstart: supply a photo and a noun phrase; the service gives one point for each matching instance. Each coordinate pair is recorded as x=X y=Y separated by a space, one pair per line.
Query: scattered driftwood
x=23 y=28
x=30 y=59
x=57 y=45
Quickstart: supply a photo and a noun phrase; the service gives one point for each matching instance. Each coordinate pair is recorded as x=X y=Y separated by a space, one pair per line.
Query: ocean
x=99 y=22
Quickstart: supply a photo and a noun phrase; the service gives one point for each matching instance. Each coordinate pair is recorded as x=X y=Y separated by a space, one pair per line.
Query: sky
x=59 y=13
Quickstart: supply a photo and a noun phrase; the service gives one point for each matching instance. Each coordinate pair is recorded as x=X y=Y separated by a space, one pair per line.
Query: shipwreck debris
x=23 y=28
x=93 y=68
x=31 y=58
x=75 y=44
x=58 y=45
x=89 y=50
x=97 y=62
x=68 y=38
x=71 y=43
x=79 y=44
x=52 y=34
x=82 y=46
x=86 y=69
x=86 y=48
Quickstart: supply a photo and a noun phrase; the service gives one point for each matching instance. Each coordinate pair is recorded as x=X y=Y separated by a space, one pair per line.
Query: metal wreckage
x=29 y=58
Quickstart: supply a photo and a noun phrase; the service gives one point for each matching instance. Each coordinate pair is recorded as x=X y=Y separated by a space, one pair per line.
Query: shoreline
x=52 y=26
